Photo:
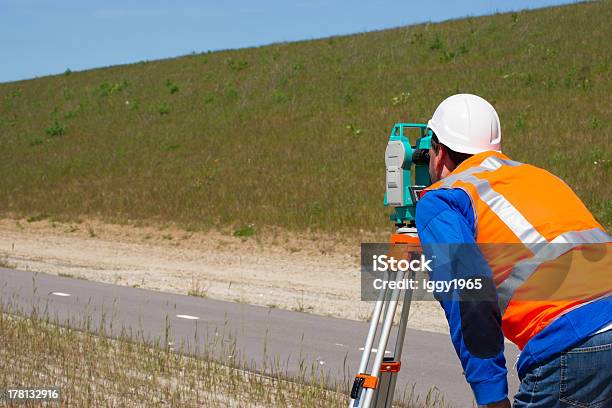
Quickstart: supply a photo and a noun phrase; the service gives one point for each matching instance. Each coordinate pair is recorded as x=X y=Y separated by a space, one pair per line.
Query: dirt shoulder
x=310 y=273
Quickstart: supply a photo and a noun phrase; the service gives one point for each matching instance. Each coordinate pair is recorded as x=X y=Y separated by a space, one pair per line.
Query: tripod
x=377 y=388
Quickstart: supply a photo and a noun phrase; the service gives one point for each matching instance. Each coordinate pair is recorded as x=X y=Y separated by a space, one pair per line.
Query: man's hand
x=501 y=404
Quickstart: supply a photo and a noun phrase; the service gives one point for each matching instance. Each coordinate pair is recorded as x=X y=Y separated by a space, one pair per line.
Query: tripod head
x=407 y=170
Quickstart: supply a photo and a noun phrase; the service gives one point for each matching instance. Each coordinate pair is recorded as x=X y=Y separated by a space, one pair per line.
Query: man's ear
x=442 y=159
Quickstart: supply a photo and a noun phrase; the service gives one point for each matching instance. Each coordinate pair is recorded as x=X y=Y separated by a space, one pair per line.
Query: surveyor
x=481 y=196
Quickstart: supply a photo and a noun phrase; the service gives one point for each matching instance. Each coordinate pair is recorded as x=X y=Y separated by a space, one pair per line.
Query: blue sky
x=42 y=37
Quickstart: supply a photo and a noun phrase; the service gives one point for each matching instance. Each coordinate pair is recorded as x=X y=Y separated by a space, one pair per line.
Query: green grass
x=293 y=135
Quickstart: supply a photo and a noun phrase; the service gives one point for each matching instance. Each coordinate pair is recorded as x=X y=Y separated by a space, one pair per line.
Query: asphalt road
x=261 y=335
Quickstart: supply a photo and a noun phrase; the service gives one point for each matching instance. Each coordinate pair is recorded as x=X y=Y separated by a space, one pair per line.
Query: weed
x=56 y=129
x=519 y=125
x=237 y=65
x=172 y=146
x=111 y=88
x=558 y=158
x=401 y=99
x=5 y=263
x=231 y=93
x=209 y=98
x=66 y=94
x=35 y=141
x=163 y=109
x=36 y=218
x=353 y=129
x=245 y=231
x=316 y=208
x=515 y=18
x=436 y=44
x=279 y=96
x=197 y=289
x=447 y=56
x=171 y=86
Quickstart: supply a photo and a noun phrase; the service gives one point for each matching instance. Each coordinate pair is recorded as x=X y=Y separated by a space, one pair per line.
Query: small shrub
x=515 y=19
x=237 y=65
x=447 y=56
x=55 y=130
x=66 y=94
x=231 y=93
x=316 y=208
x=109 y=88
x=417 y=38
x=35 y=141
x=245 y=231
x=436 y=44
x=70 y=114
x=595 y=122
x=520 y=123
x=36 y=217
x=279 y=96
x=163 y=109
x=172 y=146
x=209 y=98
x=133 y=105
x=172 y=87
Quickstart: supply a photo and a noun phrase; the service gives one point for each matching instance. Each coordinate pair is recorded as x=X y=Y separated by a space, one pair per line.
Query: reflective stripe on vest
x=543 y=250
x=547 y=252
x=497 y=203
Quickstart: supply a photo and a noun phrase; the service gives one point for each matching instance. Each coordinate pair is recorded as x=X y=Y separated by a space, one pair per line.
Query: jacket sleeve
x=446 y=217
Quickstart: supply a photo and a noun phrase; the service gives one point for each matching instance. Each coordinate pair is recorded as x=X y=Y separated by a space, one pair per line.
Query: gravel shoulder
x=309 y=273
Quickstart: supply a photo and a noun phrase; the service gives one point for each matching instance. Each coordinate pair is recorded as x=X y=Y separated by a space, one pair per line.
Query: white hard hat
x=467 y=123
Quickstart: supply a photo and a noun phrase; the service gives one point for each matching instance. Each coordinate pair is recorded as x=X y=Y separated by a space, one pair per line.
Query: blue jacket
x=446 y=216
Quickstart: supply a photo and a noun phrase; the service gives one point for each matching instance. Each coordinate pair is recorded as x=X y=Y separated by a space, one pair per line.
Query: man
x=480 y=196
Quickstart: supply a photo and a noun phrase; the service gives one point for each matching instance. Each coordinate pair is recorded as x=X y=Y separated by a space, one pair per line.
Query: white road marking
x=375 y=350
x=341 y=345
x=62 y=294
x=188 y=317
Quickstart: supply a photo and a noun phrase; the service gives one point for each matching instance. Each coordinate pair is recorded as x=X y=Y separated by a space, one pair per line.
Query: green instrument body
x=407 y=170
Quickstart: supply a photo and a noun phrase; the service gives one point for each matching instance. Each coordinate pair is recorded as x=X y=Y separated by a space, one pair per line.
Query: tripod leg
x=395 y=362
x=367 y=349
x=384 y=338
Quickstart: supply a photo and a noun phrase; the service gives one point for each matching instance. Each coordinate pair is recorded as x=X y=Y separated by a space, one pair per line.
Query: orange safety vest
x=516 y=203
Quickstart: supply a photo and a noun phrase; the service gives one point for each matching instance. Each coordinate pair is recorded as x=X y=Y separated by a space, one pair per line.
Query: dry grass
x=293 y=135
x=92 y=370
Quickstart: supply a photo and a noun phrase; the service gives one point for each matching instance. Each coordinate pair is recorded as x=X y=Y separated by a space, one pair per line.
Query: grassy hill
x=293 y=135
